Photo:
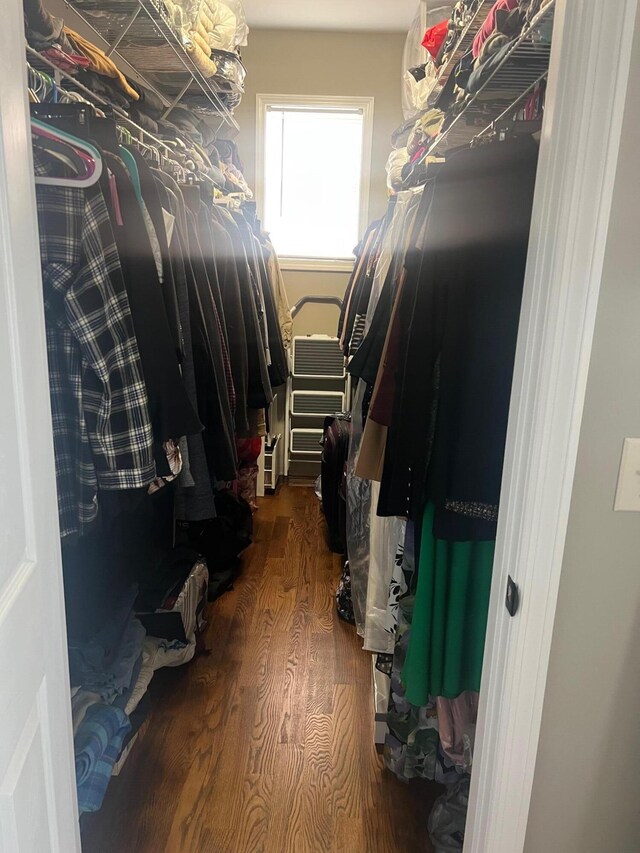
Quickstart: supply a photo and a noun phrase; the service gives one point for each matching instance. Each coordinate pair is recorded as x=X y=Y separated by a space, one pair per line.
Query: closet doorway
x=560 y=302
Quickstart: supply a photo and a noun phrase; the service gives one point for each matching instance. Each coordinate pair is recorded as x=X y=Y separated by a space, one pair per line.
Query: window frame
x=366 y=105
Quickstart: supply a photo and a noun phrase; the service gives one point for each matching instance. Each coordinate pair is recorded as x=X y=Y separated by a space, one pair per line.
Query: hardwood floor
x=265 y=744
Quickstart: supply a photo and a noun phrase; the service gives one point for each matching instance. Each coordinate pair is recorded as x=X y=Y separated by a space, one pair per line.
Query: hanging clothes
x=374 y=545
x=259 y=394
x=194 y=496
x=172 y=414
x=103 y=437
x=354 y=305
x=229 y=281
x=430 y=412
x=449 y=624
x=386 y=544
x=278 y=287
x=149 y=190
x=468 y=288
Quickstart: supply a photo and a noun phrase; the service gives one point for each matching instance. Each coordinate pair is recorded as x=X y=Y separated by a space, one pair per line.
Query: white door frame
x=578 y=158
x=589 y=71
x=38 y=808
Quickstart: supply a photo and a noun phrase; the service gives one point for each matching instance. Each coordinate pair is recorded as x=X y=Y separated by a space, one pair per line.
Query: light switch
x=628 y=492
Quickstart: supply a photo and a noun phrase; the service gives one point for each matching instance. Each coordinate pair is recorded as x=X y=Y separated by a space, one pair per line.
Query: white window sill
x=317 y=264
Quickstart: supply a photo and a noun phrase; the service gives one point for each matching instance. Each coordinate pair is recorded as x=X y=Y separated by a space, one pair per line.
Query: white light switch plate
x=628 y=491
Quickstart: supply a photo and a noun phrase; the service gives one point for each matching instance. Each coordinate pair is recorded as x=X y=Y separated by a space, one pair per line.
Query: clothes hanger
x=68 y=150
x=152 y=153
x=38 y=85
x=132 y=168
x=61 y=151
x=80 y=153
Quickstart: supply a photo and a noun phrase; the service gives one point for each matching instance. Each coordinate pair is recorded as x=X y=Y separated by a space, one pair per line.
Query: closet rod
x=510 y=109
x=158 y=143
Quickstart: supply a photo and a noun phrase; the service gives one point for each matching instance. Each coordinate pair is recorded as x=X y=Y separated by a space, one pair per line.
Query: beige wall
x=291 y=62
x=586 y=795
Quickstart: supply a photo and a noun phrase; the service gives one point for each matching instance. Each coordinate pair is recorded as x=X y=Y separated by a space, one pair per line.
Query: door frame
x=586 y=96
x=578 y=158
x=37 y=773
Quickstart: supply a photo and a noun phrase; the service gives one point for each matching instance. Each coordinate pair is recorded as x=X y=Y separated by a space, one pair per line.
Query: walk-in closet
x=317 y=352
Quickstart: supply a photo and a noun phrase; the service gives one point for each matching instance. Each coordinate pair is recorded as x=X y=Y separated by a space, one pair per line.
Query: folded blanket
x=97 y=746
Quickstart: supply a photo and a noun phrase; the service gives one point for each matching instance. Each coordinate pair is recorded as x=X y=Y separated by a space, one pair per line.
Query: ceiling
x=382 y=15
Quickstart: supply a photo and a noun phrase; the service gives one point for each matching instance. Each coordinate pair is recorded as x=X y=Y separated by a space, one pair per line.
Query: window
x=313 y=172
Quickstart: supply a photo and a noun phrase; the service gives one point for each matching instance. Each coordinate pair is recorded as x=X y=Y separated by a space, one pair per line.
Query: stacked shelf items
x=464 y=42
x=506 y=80
x=140 y=33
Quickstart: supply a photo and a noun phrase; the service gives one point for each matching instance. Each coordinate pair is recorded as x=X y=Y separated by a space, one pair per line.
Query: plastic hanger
x=81 y=153
x=132 y=168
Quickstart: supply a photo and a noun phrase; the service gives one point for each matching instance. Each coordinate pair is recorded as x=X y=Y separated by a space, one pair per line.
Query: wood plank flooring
x=265 y=744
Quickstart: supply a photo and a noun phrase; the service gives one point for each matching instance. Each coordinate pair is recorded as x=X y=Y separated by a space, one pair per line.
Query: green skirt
x=449 y=624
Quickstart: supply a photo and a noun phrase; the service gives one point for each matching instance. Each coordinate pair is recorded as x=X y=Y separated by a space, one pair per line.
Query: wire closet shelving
x=140 y=33
x=523 y=65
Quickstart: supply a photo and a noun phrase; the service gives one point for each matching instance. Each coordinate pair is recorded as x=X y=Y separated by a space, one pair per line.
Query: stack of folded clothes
x=504 y=23
x=104 y=671
x=111 y=670
x=433 y=100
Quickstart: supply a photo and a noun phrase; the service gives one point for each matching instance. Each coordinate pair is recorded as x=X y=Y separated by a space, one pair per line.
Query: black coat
x=463 y=332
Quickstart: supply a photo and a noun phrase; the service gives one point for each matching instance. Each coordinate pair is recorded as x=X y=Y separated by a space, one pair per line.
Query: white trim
x=36 y=737
x=317 y=264
x=366 y=105
x=261 y=467
x=578 y=156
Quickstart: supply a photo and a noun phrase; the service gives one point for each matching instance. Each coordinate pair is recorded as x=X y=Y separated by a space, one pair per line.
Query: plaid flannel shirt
x=101 y=426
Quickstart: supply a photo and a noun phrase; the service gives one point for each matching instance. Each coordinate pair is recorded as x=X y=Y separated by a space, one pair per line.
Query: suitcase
x=335 y=448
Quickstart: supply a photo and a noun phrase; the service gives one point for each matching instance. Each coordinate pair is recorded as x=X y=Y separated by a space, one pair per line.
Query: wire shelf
x=40 y=63
x=140 y=33
x=37 y=64
x=525 y=63
x=464 y=42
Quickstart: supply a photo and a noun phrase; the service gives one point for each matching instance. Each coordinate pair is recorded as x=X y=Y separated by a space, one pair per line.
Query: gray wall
x=295 y=62
x=586 y=795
